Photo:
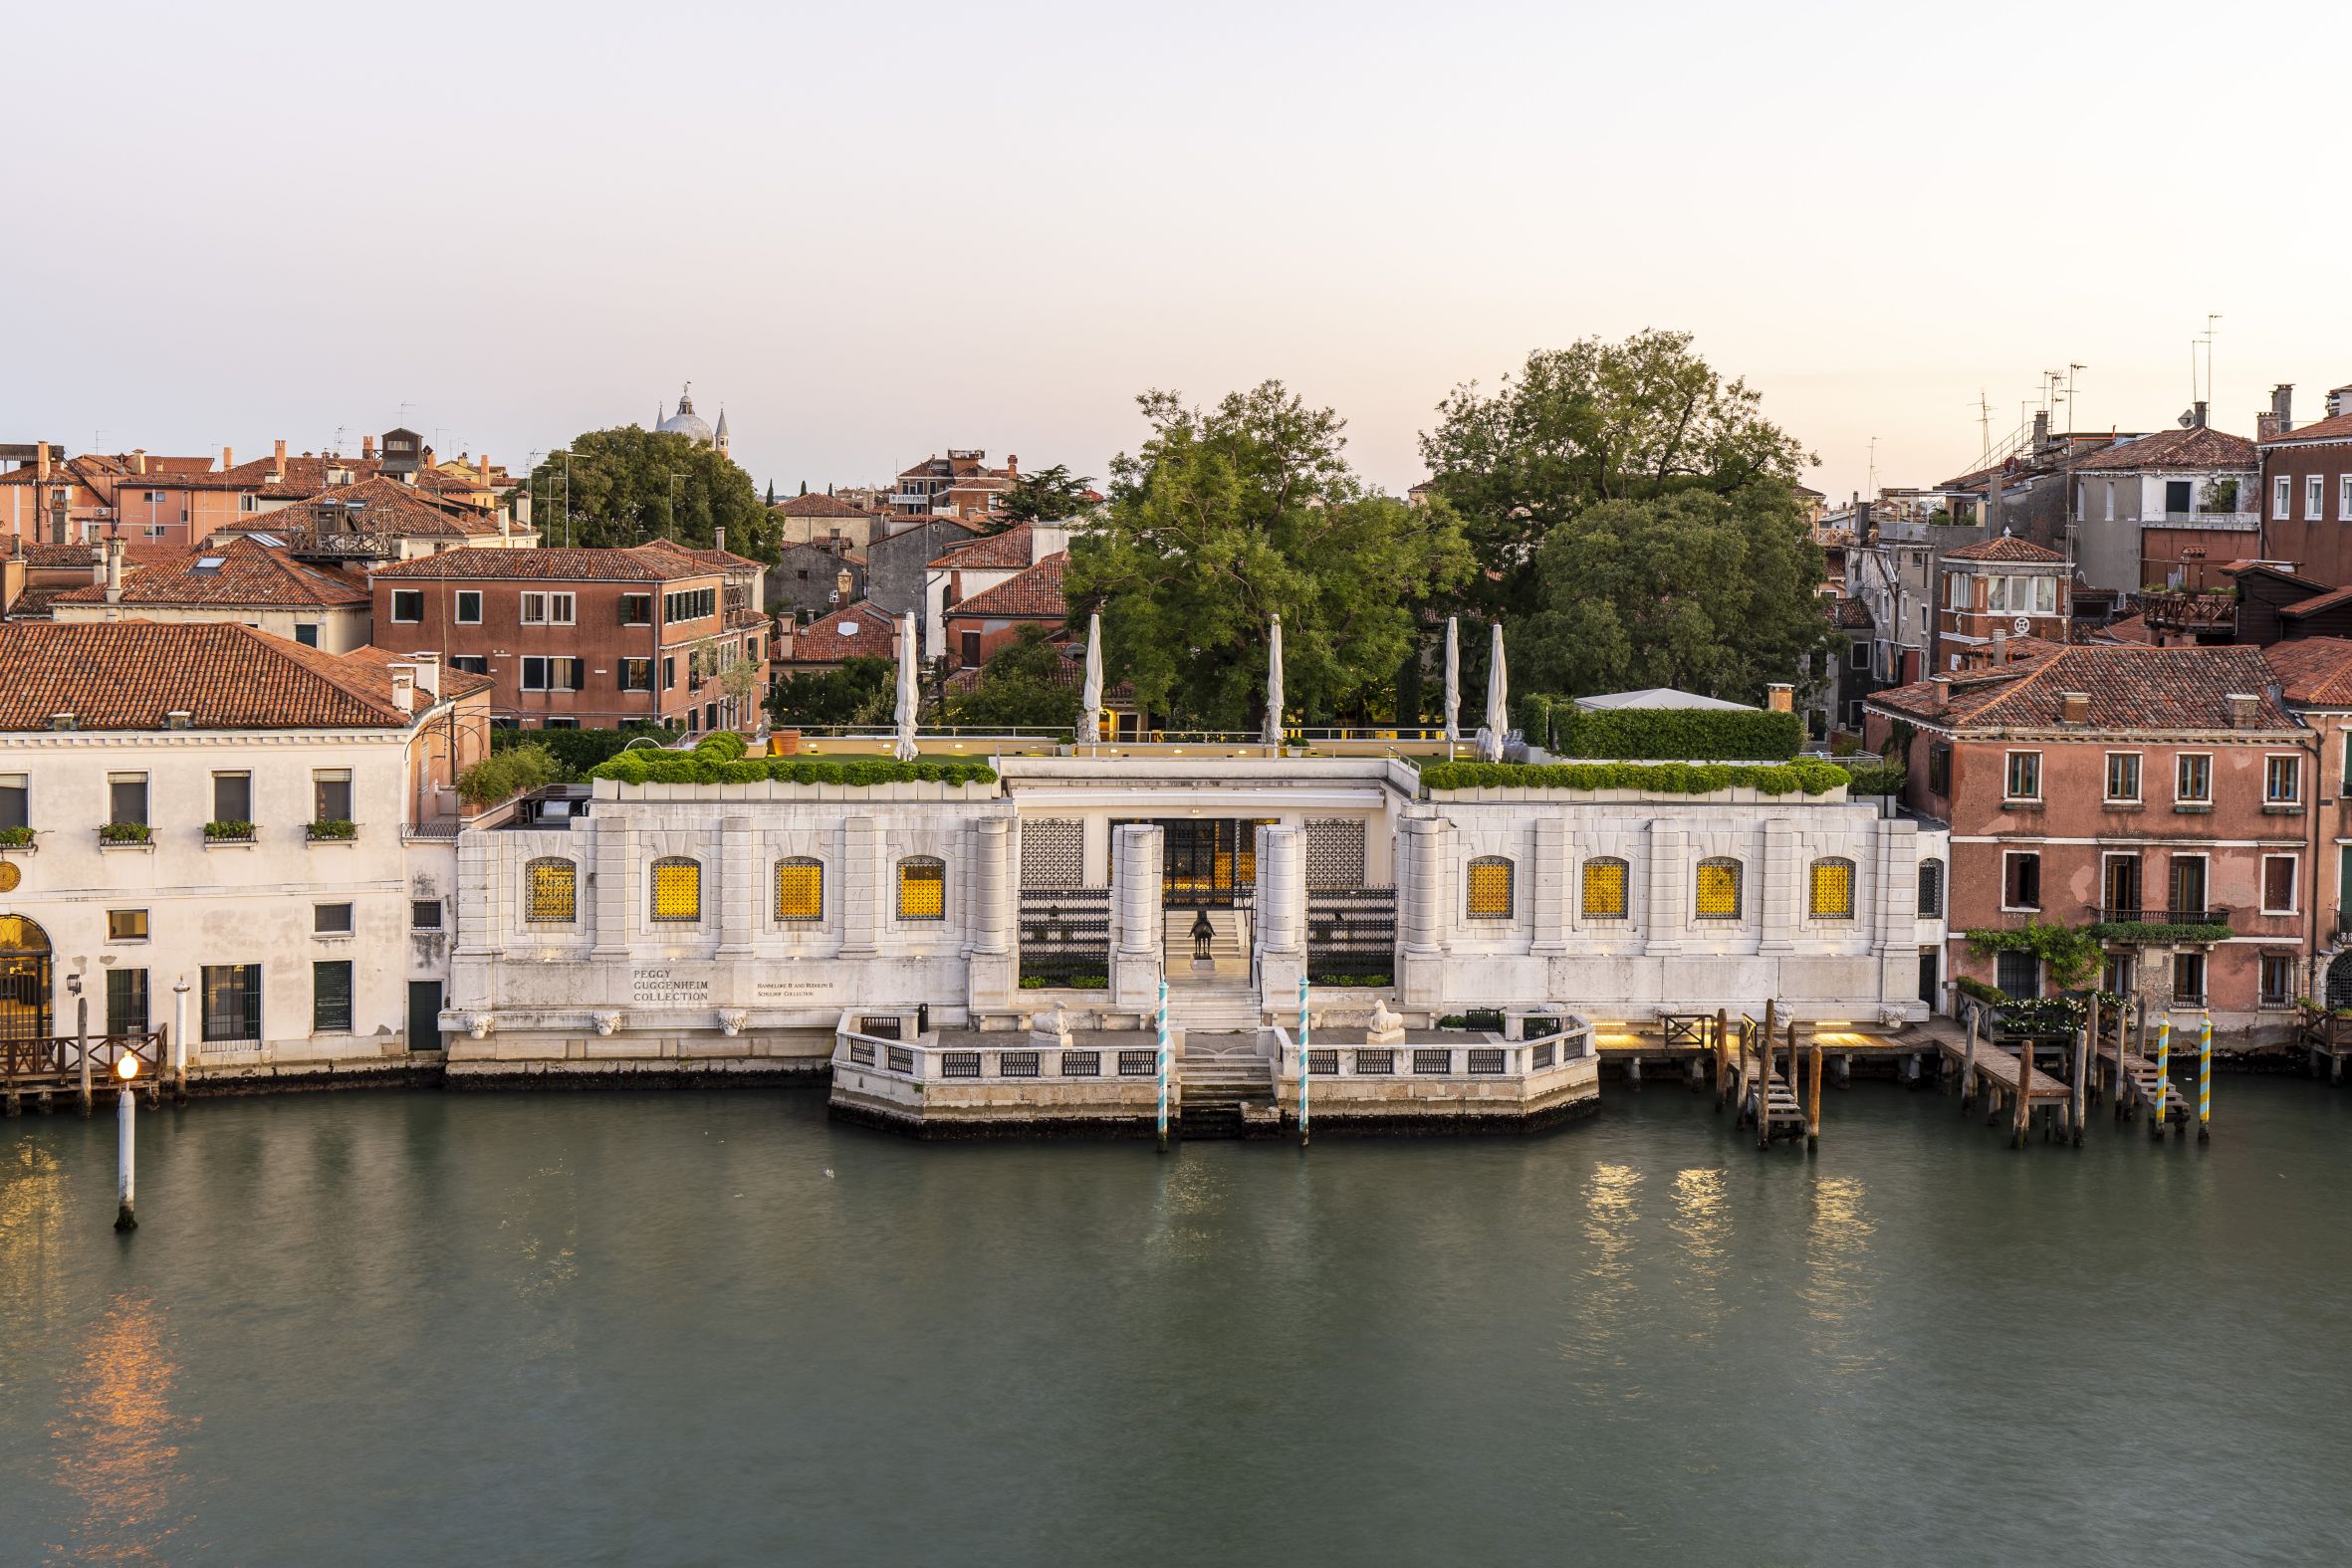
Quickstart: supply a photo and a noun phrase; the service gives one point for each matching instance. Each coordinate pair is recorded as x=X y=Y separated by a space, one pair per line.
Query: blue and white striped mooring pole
x=2205 y=1080
x=1306 y=1067
x=1164 y=1061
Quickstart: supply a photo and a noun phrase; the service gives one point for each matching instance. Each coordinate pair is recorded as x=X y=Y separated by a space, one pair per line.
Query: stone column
x=1669 y=876
x=1281 y=918
x=739 y=888
x=1780 y=882
x=1425 y=883
x=865 y=885
x=1135 y=917
x=615 y=890
x=1549 y=887
x=989 y=967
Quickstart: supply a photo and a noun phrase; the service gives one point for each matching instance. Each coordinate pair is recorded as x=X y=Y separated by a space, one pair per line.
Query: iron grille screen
x=1433 y=1061
x=1833 y=889
x=1334 y=853
x=901 y=1059
x=1486 y=1058
x=1490 y=888
x=1931 y=887
x=1544 y=1054
x=1018 y=1064
x=1351 y=933
x=1604 y=889
x=1081 y=1064
x=1375 y=1062
x=959 y=1064
x=862 y=1054
x=551 y=892
x=232 y=1002
x=1052 y=852
x=126 y=1002
x=1323 y=1064
x=330 y=996
x=1718 y=890
x=677 y=890
x=799 y=889
x=1066 y=936
x=1138 y=1064
x=922 y=888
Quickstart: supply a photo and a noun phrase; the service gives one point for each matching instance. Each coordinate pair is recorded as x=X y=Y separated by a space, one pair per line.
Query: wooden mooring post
x=1967 y=1063
x=2023 y=1121
x=1763 y=1081
x=2078 y=1100
x=1814 y=1096
x=1722 y=1051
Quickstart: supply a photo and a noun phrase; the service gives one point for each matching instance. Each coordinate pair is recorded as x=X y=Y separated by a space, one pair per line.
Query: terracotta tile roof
x=132 y=674
x=2131 y=689
x=995 y=552
x=244 y=574
x=819 y=507
x=862 y=629
x=2127 y=629
x=2337 y=429
x=1849 y=614
x=454 y=683
x=2201 y=448
x=380 y=504
x=718 y=560
x=1033 y=595
x=2315 y=605
x=2005 y=548
x=136 y=551
x=548 y=565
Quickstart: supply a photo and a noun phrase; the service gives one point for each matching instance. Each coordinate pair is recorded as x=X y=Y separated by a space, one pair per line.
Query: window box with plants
x=17 y=840
x=126 y=835
x=228 y=835
x=331 y=831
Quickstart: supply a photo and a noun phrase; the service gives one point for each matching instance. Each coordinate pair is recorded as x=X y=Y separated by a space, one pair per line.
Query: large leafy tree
x=1713 y=593
x=1588 y=424
x=1020 y=684
x=1231 y=515
x=860 y=690
x=1047 y=496
x=630 y=485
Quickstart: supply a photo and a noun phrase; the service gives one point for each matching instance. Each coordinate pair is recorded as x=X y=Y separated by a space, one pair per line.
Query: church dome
x=686 y=421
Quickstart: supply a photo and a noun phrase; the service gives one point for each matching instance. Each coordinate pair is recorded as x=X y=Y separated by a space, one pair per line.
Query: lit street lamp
x=126 y=1150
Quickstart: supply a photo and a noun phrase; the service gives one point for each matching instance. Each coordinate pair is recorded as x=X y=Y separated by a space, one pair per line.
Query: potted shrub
x=228 y=833
x=125 y=833
x=334 y=829
x=15 y=839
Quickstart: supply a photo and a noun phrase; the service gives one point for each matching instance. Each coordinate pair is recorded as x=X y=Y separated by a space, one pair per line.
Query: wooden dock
x=2140 y=1086
x=2328 y=1036
x=1783 y=1115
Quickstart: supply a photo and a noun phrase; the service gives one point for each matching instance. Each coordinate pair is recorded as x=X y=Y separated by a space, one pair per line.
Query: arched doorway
x=2339 y=982
x=23 y=979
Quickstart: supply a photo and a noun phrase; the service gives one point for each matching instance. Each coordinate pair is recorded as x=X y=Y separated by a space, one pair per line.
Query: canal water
x=691 y=1329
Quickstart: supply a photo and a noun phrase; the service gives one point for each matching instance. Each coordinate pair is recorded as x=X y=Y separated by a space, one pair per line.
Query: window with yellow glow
x=1604 y=889
x=799 y=889
x=1718 y=890
x=922 y=888
x=1833 y=889
x=551 y=892
x=1490 y=888
x=677 y=890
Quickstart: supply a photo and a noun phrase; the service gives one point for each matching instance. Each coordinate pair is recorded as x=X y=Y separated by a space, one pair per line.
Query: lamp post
x=126 y=1145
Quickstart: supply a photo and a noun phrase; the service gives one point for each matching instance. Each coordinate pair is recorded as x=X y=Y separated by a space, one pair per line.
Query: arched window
x=1604 y=888
x=922 y=888
x=1719 y=889
x=677 y=889
x=1833 y=889
x=1490 y=888
x=551 y=891
x=799 y=889
x=1931 y=888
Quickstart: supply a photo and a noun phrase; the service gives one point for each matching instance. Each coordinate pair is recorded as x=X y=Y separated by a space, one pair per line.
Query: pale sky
x=876 y=231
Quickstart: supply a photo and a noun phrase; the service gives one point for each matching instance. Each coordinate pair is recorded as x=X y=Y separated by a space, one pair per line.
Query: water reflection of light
x=116 y=1439
x=1192 y=1196
x=31 y=1216
x=1703 y=1224
x=1611 y=1218
x=1837 y=1269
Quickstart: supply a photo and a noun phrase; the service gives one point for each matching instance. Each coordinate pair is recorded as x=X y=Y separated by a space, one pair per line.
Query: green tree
x=1713 y=593
x=1020 y=684
x=1233 y=514
x=1580 y=426
x=630 y=485
x=1047 y=496
x=856 y=691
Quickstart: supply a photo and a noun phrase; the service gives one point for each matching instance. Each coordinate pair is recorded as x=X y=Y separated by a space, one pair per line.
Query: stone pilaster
x=1780 y=882
x=1281 y=917
x=864 y=887
x=1669 y=878
x=1549 y=887
x=486 y=873
x=1138 y=854
x=615 y=892
x=1897 y=902
x=1425 y=852
x=739 y=888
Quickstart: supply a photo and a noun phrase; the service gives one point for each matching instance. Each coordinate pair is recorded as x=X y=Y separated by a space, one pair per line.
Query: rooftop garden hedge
x=1811 y=777
x=720 y=760
x=1674 y=733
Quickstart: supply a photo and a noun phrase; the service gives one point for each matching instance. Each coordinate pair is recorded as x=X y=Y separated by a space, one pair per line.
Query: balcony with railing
x=2190 y=613
x=2169 y=915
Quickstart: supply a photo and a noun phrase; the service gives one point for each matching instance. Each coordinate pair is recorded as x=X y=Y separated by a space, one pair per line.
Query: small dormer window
x=61 y=721
x=179 y=718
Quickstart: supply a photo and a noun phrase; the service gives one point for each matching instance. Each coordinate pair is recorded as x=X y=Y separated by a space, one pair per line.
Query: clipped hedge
x=1876 y=777
x=719 y=759
x=1812 y=777
x=1676 y=734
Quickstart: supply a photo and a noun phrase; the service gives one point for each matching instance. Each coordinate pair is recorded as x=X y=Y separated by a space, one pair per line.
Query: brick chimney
x=405 y=687
x=1781 y=697
x=367 y=446
x=1940 y=696
x=1012 y=465
x=2000 y=647
x=228 y=458
x=2074 y=707
x=2244 y=708
x=278 y=464
x=40 y=461
x=138 y=461
x=2041 y=431
x=2339 y=402
x=429 y=673
x=482 y=466
x=2282 y=416
x=718 y=538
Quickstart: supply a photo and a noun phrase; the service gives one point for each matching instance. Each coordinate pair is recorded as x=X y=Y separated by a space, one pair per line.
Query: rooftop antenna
x=1984 y=424
x=2072 y=367
x=2211 y=317
x=1872 y=490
